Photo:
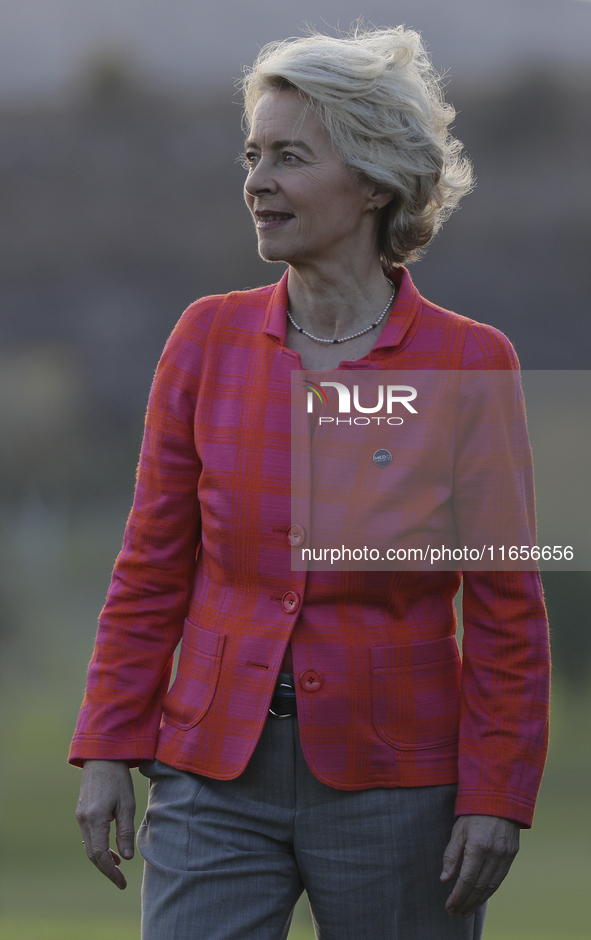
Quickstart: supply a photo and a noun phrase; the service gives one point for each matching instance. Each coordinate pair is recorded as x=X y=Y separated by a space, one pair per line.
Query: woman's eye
x=250 y=159
x=289 y=158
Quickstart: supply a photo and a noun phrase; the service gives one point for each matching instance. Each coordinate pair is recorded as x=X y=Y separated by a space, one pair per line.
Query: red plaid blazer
x=206 y=561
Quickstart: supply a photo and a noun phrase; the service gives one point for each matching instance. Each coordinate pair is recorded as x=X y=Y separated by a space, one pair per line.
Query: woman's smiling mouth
x=269 y=219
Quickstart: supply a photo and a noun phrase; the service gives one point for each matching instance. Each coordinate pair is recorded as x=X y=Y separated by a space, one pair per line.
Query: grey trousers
x=228 y=859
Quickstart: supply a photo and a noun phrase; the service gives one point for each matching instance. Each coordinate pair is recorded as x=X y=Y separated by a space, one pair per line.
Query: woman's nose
x=260 y=179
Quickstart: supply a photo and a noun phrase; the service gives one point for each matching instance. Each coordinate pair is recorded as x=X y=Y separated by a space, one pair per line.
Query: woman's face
x=306 y=204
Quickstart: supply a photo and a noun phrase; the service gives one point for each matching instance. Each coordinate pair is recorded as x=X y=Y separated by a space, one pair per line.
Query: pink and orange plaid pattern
x=206 y=560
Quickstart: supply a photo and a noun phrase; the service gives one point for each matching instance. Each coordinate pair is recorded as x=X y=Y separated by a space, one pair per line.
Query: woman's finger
x=469 y=877
x=491 y=876
x=101 y=855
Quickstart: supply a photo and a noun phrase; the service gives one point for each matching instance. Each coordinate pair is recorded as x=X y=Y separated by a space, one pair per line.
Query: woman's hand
x=484 y=847
x=107 y=793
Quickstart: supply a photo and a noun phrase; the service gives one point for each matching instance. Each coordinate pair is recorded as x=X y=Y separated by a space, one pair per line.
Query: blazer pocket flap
x=190 y=695
x=416 y=693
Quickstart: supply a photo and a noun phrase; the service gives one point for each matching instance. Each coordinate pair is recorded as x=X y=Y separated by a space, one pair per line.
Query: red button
x=311 y=680
x=296 y=535
x=290 y=602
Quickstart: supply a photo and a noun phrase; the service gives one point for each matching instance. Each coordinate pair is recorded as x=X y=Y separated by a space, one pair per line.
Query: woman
x=270 y=771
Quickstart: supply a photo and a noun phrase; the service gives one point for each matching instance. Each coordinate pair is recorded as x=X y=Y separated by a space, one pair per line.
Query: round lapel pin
x=382 y=458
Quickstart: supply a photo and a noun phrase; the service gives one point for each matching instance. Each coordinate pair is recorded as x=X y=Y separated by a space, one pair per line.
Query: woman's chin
x=272 y=252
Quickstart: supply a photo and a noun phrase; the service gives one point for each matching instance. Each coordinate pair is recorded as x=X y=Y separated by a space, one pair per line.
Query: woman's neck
x=333 y=303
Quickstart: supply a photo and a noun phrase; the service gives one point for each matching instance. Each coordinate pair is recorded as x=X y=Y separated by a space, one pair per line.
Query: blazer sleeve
x=142 y=620
x=506 y=660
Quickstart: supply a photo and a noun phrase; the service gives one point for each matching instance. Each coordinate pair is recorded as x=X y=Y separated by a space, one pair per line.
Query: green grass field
x=30 y=928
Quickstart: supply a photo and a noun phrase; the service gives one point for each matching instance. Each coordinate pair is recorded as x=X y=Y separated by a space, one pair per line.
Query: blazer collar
x=402 y=316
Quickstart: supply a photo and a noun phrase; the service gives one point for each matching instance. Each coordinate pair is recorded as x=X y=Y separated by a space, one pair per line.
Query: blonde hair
x=381 y=103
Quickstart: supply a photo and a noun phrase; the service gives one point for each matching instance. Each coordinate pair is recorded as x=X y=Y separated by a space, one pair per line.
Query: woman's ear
x=379 y=198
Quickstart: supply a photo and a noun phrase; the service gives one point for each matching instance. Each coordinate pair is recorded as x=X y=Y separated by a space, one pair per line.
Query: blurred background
x=121 y=203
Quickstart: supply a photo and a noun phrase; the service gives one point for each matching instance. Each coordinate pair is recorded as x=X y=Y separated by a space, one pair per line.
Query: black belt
x=283 y=703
